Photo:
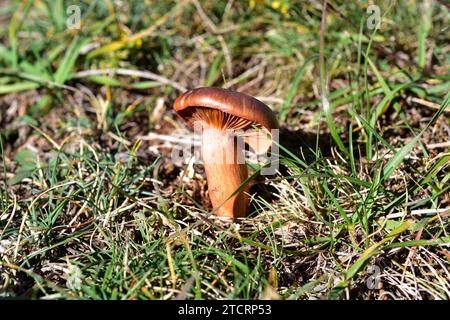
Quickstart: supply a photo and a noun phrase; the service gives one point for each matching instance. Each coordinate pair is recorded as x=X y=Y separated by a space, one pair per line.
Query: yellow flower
x=281 y=6
x=253 y=3
x=138 y=43
x=276 y=5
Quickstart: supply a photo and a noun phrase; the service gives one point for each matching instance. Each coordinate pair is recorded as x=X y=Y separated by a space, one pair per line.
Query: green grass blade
x=293 y=90
x=18 y=87
x=426 y=12
x=67 y=64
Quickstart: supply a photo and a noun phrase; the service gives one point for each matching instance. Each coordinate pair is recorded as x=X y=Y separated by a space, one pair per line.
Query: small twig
x=426 y=103
x=119 y=139
x=438 y=145
x=173 y=139
x=418 y=212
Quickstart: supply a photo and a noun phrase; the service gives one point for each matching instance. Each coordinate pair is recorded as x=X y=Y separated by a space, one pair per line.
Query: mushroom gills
x=207 y=117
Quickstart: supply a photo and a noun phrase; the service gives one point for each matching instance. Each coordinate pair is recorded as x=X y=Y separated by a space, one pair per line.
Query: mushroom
x=227 y=119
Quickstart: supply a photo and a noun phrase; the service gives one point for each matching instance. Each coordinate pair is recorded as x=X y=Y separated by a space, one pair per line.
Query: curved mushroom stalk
x=226 y=170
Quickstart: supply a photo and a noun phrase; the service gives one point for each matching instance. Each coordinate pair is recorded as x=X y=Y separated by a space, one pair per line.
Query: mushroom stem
x=226 y=170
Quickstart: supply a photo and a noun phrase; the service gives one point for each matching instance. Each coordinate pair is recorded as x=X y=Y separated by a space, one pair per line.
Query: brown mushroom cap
x=230 y=102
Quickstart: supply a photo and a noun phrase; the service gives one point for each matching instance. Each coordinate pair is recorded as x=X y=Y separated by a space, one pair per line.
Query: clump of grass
x=93 y=206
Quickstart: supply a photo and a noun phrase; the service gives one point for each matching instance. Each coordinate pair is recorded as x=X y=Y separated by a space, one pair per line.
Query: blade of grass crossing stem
x=287 y=151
